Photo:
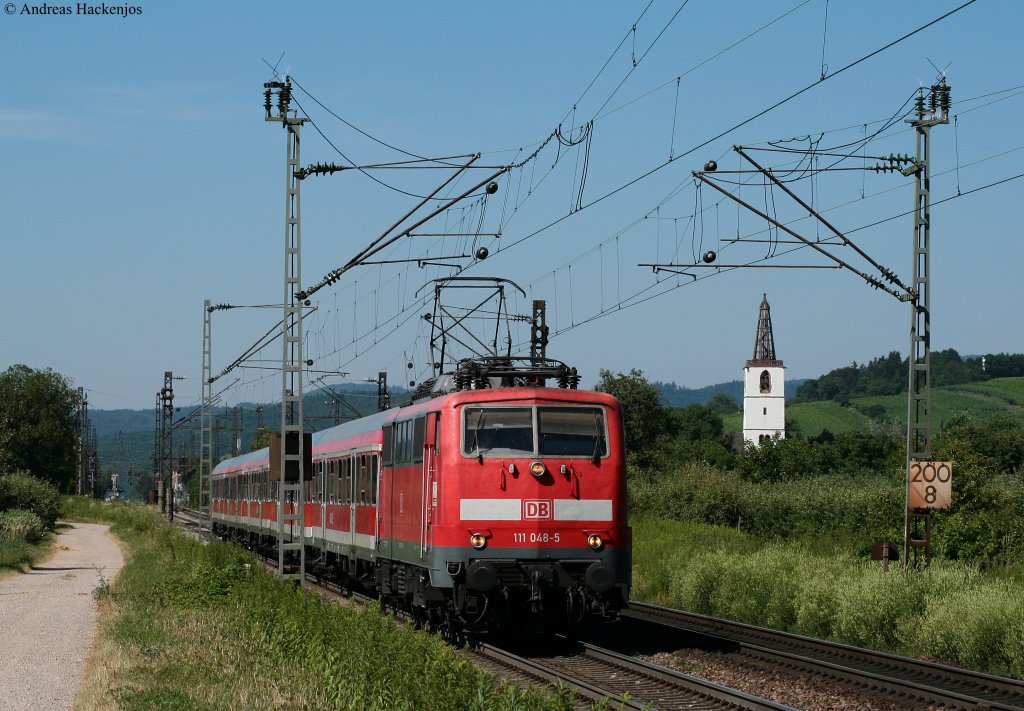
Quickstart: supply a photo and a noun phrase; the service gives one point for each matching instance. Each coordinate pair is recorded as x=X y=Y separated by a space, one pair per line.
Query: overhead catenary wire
x=742 y=123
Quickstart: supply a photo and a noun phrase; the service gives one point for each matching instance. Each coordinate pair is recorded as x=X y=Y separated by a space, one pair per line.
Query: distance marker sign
x=931 y=485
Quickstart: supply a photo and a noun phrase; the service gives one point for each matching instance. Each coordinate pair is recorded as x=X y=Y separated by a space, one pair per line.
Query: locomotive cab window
x=572 y=431
x=498 y=430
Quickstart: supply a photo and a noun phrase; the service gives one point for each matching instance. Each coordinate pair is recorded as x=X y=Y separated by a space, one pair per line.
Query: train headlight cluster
x=538 y=469
x=478 y=541
x=595 y=541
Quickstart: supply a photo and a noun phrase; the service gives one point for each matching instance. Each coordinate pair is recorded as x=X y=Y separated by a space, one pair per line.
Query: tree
x=645 y=417
x=38 y=419
x=261 y=440
x=697 y=422
x=723 y=404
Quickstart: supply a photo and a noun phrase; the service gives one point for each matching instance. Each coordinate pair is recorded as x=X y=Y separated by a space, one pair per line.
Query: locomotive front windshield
x=571 y=431
x=534 y=431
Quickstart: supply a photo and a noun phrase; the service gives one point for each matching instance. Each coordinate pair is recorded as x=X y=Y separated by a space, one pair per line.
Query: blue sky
x=140 y=178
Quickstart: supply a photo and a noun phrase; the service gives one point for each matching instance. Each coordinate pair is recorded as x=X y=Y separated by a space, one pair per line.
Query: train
x=496 y=503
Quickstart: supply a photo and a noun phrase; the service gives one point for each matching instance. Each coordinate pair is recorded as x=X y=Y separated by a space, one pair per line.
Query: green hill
x=980 y=400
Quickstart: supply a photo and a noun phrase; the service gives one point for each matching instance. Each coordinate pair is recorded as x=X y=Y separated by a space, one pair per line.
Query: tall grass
x=856 y=509
x=952 y=612
x=193 y=626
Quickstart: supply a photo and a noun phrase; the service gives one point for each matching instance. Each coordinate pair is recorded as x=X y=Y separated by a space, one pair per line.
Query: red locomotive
x=471 y=508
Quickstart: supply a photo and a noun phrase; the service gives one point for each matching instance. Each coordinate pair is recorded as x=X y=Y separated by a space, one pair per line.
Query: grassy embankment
x=953 y=612
x=192 y=627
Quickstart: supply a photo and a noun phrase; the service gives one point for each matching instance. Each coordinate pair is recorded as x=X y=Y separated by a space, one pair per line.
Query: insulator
x=266 y=101
x=944 y=100
x=933 y=98
x=284 y=98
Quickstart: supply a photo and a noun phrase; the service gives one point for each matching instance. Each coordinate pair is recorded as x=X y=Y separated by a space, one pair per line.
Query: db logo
x=536 y=509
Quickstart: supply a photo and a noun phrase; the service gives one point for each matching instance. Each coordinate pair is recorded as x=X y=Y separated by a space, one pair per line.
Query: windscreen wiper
x=476 y=437
x=596 y=457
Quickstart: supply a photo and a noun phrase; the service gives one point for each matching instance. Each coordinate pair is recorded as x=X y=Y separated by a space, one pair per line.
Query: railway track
x=914 y=681
x=598 y=674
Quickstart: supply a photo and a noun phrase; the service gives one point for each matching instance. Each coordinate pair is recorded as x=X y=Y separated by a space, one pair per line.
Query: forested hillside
x=887 y=375
x=681 y=396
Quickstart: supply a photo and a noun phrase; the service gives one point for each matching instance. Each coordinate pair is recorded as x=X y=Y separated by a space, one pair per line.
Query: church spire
x=764 y=342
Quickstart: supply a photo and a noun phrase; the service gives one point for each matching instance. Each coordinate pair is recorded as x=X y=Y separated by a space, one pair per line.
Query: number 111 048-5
x=535 y=537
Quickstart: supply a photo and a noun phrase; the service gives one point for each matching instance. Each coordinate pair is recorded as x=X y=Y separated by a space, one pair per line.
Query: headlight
x=595 y=541
x=538 y=469
x=479 y=541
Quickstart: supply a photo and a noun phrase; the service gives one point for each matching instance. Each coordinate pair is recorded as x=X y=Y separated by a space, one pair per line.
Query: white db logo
x=536 y=509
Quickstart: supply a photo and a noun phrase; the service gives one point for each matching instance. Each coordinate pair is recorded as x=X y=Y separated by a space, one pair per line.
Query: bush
x=18 y=524
x=23 y=491
x=980 y=625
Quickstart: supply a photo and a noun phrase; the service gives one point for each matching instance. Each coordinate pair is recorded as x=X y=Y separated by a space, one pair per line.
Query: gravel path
x=48 y=619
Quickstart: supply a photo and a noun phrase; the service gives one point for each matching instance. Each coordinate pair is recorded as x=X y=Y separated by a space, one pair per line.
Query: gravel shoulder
x=48 y=619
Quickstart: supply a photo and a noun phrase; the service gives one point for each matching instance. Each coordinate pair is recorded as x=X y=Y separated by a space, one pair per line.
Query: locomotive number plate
x=535 y=537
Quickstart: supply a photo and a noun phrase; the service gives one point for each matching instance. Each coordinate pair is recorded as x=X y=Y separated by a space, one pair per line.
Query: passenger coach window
x=346 y=480
x=388 y=435
x=498 y=430
x=419 y=434
x=374 y=471
x=362 y=481
x=572 y=431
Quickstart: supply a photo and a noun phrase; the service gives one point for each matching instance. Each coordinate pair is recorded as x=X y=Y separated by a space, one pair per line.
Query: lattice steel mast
x=83 y=443
x=206 y=422
x=919 y=357
x=291 y=497
x=167 y=444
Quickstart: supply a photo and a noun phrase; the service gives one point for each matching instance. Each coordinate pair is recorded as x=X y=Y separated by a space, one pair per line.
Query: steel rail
x=538 y=672
x=929 y=682
x=612 y=675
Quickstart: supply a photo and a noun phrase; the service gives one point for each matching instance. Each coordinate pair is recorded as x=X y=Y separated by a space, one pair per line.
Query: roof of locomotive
x=367 y=430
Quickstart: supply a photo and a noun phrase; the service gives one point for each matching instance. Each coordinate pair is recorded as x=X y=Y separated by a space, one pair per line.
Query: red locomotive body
x=470 y=509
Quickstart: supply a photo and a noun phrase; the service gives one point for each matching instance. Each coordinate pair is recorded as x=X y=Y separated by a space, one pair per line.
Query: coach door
x=348 y=508
x=426 y=437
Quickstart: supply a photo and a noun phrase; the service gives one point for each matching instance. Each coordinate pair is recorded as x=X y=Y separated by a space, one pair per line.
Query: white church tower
x=764 y=391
